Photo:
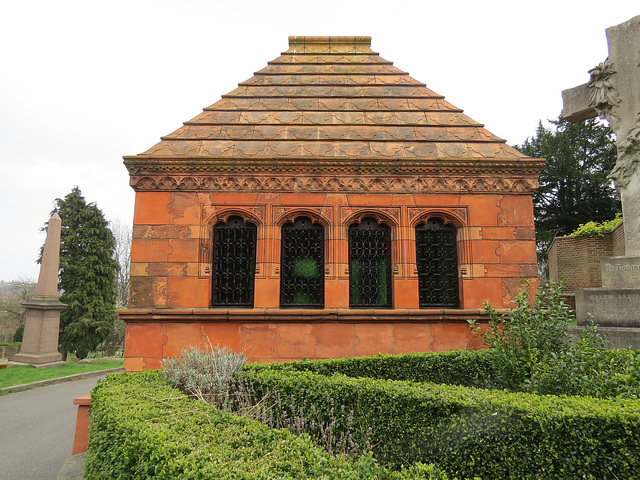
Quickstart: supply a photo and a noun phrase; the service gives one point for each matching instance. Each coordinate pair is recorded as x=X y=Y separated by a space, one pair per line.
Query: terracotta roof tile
x=326 y=99
x=333 y=104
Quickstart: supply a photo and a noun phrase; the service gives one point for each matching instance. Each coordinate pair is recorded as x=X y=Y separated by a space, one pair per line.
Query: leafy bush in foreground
x=530 y=350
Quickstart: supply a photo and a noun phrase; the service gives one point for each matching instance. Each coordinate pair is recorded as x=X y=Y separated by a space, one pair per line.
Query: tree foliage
x=12 y=311
x=122 y=254
x=87 y=274
x=574 y=188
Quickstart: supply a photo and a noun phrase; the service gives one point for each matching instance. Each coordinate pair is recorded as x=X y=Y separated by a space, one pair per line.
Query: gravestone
x=613 y=93
x=42 y=325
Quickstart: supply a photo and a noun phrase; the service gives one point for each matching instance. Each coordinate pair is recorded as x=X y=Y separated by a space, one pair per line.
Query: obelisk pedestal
x=42 y=326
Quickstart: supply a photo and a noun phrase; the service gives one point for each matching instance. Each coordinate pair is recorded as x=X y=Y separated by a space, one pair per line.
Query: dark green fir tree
x=574 y=187
x=87 y=275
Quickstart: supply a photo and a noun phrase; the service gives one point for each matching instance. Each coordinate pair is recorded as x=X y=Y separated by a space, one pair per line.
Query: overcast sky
x=83 y=83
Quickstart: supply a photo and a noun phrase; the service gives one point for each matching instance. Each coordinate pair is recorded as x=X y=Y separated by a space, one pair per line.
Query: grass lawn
x=18 y=375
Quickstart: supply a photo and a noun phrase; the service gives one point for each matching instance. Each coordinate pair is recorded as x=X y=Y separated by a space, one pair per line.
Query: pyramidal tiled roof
x=327 y=101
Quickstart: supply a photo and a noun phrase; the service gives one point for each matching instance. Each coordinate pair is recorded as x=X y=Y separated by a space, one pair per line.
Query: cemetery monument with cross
x=613 y=93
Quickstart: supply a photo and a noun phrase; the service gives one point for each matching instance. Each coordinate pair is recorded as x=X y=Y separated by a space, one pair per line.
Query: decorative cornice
x=346 y=184
x=465 y=166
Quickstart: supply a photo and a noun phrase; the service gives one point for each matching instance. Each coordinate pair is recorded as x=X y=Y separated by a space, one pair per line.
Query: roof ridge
x=302 y=40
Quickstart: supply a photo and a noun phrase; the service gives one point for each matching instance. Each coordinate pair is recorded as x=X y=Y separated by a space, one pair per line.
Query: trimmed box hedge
x=143 y=428
x=467 y=431
x=469 y=368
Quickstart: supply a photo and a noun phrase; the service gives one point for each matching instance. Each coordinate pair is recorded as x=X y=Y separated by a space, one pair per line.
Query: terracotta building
x=329 y=206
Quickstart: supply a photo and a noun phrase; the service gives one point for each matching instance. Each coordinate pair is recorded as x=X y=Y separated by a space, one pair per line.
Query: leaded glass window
x=234 y=263
x=437 y=262
x=369 y=264
x=302 y=264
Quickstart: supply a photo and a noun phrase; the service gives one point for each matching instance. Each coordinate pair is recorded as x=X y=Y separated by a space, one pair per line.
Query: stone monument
x=42 y=326
x=613 y=93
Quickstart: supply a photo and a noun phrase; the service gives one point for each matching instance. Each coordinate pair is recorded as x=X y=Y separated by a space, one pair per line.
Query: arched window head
x=302 y=264
x=234 y=263
x=369 y=264
x=437 y=264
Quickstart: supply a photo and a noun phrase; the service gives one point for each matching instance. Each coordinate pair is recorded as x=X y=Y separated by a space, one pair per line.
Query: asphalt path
x=37 y=428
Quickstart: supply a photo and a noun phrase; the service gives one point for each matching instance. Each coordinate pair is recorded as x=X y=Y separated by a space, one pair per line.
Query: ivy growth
x=594 y=228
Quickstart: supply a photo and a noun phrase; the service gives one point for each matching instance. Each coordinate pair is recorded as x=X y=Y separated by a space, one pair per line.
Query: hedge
x=473 y=432
x=143 y=428
x=614 y=370
x=470 y=368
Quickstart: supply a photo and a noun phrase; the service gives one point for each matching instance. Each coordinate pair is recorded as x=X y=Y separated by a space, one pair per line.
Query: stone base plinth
x=38 y=359
x=265 y=335
x=615 y=337
x=609 y=306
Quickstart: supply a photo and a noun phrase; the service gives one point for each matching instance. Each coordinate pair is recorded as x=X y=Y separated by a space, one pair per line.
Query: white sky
x=83 y=82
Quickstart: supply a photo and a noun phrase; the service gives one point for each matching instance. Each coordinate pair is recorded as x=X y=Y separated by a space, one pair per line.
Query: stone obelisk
x=42 y=326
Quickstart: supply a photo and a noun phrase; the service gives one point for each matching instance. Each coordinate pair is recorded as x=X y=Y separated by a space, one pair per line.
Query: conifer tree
x=87 y=275
x=574 y=187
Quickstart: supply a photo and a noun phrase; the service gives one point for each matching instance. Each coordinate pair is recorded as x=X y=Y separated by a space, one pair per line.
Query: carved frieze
x=278 y=212
x=358 y=213
x=416 y=214
x=282 y=215
x=345 y=184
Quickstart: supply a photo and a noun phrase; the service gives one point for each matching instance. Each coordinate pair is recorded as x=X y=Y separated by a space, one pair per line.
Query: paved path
x=37 y=428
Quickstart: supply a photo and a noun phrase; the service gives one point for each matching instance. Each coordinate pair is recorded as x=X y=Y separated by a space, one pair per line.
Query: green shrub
x=521 y=338
x=594 y=228
x=143 y=428
x=473 y=432
x=530 y=350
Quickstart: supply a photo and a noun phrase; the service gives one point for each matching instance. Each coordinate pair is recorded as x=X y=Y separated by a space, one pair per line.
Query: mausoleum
x=329 y=206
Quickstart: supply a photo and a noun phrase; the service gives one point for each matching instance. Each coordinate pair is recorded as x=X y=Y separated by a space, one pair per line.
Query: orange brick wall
x=147 y=343
x=171 y=272
x=168 y=271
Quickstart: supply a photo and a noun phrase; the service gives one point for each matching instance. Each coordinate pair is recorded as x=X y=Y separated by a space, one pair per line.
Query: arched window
x=234 y=263
x=369 y=264
x=302 y=264
x=437 y=262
